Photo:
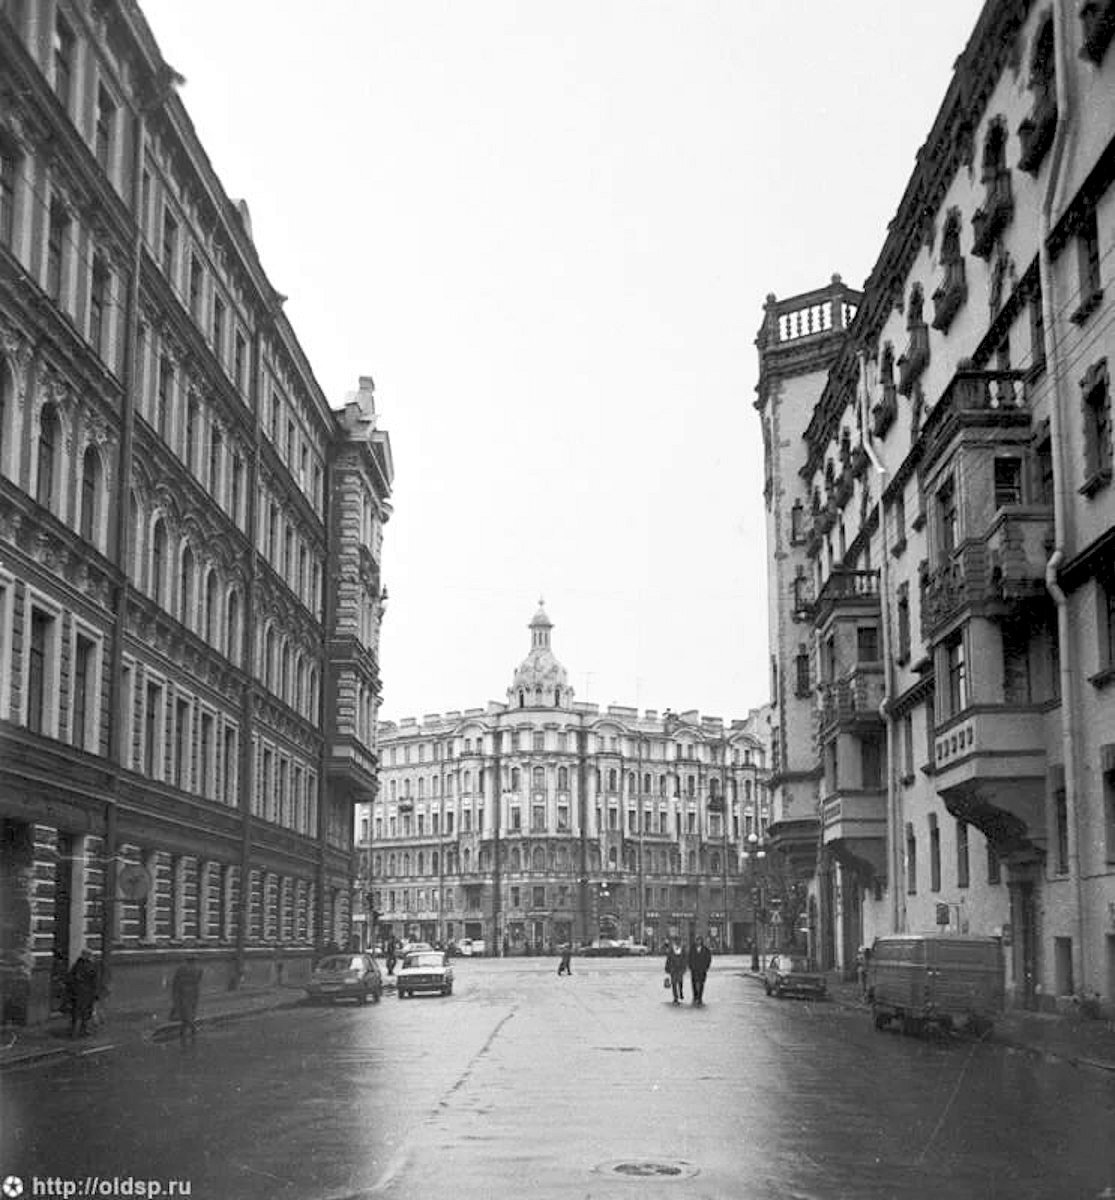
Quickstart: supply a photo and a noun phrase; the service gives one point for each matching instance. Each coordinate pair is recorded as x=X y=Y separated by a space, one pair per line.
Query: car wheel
x=362 y=996
x=880 y=1019
x=767 y=986
x=377 y=995
x=401 y=994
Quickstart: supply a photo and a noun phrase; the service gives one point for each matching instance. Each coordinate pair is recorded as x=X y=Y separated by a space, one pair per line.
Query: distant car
x=603 y=948
x=471 y=947
x=346 y=976
x=413 y=948
x=634 y=949
x=424 y=971
x=789 y=975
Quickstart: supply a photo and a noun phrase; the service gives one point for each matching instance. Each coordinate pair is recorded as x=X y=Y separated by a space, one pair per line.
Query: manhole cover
x=648 y=1168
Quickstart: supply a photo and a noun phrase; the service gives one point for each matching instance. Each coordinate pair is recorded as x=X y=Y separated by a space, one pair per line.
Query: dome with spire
x=540 y=680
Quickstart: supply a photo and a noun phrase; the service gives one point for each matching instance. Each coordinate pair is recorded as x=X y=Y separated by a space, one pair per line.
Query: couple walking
x=696 y=961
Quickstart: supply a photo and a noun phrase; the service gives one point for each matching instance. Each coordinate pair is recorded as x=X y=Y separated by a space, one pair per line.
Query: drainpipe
x=894 y=816
x=1057 y=448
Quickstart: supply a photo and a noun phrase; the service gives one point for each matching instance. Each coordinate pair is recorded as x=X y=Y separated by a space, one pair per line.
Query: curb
x=167 y=1030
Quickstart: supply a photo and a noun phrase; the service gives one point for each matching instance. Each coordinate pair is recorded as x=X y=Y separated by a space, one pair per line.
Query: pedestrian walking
x=700 y=959
x=391 y=955
x=185 y=991
x=565 y=967
x=677 y=962
x=83 y=989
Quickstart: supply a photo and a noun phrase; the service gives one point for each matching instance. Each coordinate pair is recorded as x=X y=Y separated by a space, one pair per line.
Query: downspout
x=1057 y=449
x=894 y=816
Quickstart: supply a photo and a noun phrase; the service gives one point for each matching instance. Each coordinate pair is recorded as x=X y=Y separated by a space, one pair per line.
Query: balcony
x=851 y=704
x=995 y=215
x=990 y=770
x=856 y=590
x=854 y=829
x=992 y=576
x=352 y=767
x=976 y=399
x=1035 y=133
x=914 y=359
x=951 y=294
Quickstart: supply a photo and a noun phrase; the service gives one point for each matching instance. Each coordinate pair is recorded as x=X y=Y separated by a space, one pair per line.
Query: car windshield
x=429 y=959
x=341 y=962
x=799 y=965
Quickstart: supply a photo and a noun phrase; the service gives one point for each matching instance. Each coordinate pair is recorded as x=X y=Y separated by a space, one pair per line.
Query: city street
x=523 y=1084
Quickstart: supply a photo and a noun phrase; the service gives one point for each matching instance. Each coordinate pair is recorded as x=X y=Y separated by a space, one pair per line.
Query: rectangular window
x=169 y=253
x=516 y=818
x=911 y=861
x=8 y=165
x=1037 y=334
x=240 y=360
x=947 y=517
x=218 y=330
x=539 y=897
x=63 y=47
x=962 y=866
x=801 y=671
x=236 y=485
x=956 y=675
x=903 y=610
x=994 y=866
x=166 y=384
x=57 y=233
x=871 y=762
x=867 y=644
x=192 y=417
x=1061 y=811
x=908 y=747
x=1088 y=243
x=934 y=854
x=229 y=768
x=215 y=446
x=98 y=299
x=205 y=747
x=39 y=667
x=182 y=744
x=1095 y=401
x=83 y=708
x=1043 y=471
x=152 y=739
x=196 y=277
x=105 y=129
x=1008 y=481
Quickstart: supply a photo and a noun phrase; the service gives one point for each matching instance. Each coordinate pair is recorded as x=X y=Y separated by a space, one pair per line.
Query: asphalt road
x=523 y=1084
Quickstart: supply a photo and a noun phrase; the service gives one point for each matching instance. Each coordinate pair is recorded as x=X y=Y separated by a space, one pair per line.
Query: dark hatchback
x=346 y=977
x=788 y=975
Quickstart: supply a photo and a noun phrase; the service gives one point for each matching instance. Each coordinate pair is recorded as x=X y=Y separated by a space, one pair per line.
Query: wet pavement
x=523 y=1084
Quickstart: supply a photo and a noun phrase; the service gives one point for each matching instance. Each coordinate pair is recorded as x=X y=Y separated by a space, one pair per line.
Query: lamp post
x=755 y=853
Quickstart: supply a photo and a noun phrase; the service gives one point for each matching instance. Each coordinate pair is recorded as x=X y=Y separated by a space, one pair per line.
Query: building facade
x=543 y=820
x=940 y=516
x=189 y=546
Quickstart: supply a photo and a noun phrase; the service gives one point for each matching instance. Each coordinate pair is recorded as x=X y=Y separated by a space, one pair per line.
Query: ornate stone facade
x=190 y=538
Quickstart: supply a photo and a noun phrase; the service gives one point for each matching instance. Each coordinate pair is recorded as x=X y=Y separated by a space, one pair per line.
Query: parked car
x=346 y=976
x=471 y=947
x=603 y=948
x=936 y=979
x=424 y=971
x=789 y=975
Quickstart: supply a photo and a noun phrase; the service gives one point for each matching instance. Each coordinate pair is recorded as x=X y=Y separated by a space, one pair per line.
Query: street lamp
x=755 y=853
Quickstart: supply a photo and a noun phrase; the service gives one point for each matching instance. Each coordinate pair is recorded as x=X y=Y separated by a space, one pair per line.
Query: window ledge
x=1087 y=306
x=898 y=547
x=1096 y=481
x=1102 y=678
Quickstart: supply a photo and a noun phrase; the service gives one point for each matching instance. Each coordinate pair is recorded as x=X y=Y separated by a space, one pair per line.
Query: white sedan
x=424 y=971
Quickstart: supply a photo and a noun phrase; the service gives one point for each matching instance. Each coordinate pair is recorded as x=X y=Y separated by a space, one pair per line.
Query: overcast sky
x=546 y=230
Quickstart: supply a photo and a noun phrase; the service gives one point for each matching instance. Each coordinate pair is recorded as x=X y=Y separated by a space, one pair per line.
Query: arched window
x=185 y=586
x=915 y=309
x=300 y=684
x=49 y=441
x=516 y=860
x=421 y=860
x=522 y=698
x=950 y=237
x=747 y=791
x=563 y=779
x=995 y=150
x=137 y=536
x=646 y=782
x=611 y=780
x=90 y=490
x=232 y=625
x=209 y=630
x=538 y=859
x=267 y=667
x=613 y=858
x=514 y=779
x=312 y=695
x=284 y=672
x=158 y=561
x=433 y=863
x=406 y=864
x=715 y=864
x=467 y=782
x=691 y=862
x=467 y=860
x=390 y=864
x=538 y=779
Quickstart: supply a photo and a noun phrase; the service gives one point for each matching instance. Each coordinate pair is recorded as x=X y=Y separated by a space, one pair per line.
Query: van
x=924 y=979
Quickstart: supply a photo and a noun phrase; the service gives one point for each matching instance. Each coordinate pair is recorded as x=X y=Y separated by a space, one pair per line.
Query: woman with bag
x=677 y=962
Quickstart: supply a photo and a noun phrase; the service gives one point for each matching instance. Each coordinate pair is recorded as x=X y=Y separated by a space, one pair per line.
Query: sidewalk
x=1081 y=1041
x=21 y=1046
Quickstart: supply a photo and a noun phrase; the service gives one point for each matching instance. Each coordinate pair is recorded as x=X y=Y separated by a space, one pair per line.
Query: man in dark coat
x=185 y=990
x=565 y=967
x=83 y=988
x=676 y=963
x=700 y=959
x=391 y=953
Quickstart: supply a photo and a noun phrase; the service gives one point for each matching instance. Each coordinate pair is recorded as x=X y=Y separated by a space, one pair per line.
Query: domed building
x=546 y=820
